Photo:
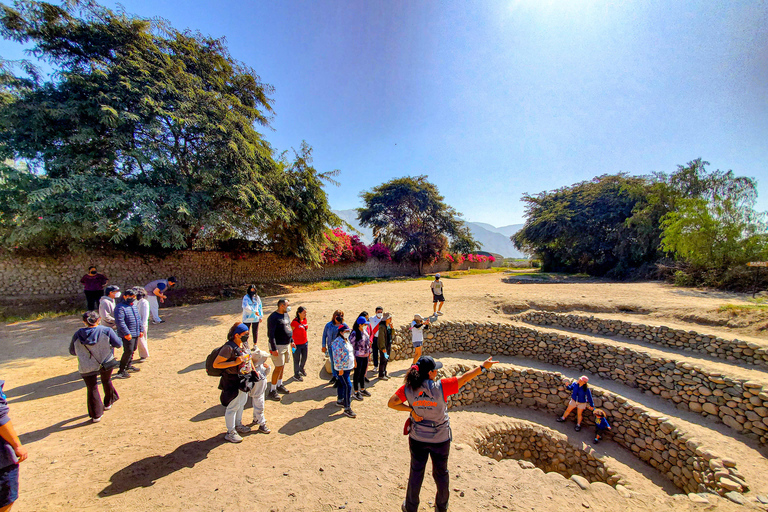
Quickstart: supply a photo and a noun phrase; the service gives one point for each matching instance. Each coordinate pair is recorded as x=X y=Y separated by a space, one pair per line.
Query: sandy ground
x=161 y=446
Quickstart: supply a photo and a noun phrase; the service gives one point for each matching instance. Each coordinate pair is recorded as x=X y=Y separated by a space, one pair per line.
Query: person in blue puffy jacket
x=581 y=398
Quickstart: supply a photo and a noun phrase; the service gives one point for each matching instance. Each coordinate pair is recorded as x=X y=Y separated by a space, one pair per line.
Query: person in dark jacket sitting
x=580 y=397
x=129 y=328
x=92 y=345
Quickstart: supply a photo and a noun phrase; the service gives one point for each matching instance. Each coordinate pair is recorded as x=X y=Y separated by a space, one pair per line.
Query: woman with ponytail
x=428 y=426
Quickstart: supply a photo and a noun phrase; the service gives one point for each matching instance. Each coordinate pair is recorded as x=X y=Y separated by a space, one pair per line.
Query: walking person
x=418 y=325
x=252 y=311
x=344 y=362
x=375 y=321
x=234 y=359
x=330 y=331
x=107 y=306
x=437 y=295
x=144 y=312
x=261 y=367
x=280 y=343
x=156 y=291
x=429 y=426
x=12 y=453
x=93 y=287
x=299 y=337
x=129 y=328
x=93 y=346
x=361 y=342
x=581 y=398
x=601 y=424
x=384 y=344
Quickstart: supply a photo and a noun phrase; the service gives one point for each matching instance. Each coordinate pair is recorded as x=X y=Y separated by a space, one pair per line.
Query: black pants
x=92 y=298
x=599 y=432
x=299 y=359
x=375 y=353
x=255 y=329
x=359 y=378
x=95 y=405
x=129 y=347
x=382 y=364
x=420 y=452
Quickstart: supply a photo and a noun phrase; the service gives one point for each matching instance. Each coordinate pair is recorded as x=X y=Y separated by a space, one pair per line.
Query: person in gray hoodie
x=107 y=306
x=92 y=345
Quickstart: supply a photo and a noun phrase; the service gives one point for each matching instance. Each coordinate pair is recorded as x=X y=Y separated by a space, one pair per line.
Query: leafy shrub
x=380 y=251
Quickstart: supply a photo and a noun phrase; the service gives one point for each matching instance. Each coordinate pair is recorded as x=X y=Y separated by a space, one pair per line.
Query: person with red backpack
x=234 y=360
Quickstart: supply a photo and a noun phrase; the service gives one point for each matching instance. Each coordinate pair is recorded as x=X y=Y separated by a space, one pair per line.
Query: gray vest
x=429 y=403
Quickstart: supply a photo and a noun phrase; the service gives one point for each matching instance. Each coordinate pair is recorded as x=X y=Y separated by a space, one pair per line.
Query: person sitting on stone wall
x=580 y=397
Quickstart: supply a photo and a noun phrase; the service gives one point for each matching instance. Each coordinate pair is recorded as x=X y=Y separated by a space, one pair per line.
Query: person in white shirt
x=417 y=335
x=144 y=312
x=437 y=294
x=252 y=311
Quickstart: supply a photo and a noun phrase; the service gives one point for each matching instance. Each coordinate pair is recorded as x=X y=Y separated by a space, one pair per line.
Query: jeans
x=92 y=299
x=9 y=485
x=420 y=452
x=234 y=413
x=95 y=405
x=154 y=307
x=129 y=347
x=359 y=375
x=299 y=359
x=345 y=388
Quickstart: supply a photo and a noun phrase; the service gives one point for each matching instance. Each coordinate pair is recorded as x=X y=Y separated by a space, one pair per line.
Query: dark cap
x=344 y=327
x=428 y=364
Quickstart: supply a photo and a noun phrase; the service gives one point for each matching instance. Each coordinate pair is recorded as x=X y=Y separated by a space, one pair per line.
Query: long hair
x=414 y=378
x=356 y=328
x=336 y=313
x=231 y=333
x=251 y=287
x=300 y=309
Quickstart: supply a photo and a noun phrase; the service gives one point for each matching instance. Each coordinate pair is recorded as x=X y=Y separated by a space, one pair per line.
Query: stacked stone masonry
x=742 y=405
x=546 y=449
x=654 y=439
x=691 y=341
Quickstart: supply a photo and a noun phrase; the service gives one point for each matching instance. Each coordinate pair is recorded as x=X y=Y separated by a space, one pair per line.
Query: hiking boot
x=243 y=429
x=356 y=396
x=263 y=429
x=365 y=392
x=282 y=389
x=233 y=437
x=298 y=378
x=272 y=395
x=350 y=413
x=122 y=375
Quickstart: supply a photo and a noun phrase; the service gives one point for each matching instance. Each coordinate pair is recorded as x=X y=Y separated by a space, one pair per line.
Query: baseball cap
x=427 y=364
x=437 y=275
x=361 y=320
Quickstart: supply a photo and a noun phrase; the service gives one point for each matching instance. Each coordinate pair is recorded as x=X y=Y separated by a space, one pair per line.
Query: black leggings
x=420 y=452
x=360 y=369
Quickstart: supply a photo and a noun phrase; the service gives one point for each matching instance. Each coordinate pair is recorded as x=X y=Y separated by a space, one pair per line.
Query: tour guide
x=429 y=428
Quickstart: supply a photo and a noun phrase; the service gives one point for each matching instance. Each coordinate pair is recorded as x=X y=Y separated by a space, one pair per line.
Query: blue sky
x=494 y=99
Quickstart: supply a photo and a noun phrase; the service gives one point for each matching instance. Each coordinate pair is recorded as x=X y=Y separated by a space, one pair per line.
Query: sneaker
x=133 y=369
x=243 y=429
x=303 y=373
x=233 y=437
x=107 y=407
x=263 y=429
x=365 y=392
x=386 y=377
x=356 y=396
x=298 y=378
x=403 y=507
x=122 y=375
x=340 y=403
x=597 y=440
x=96 y=420
x=282 y=389
x=578 y=427
x=350 y=413
x=560 y=419
x=272 y=395
x=161 y=321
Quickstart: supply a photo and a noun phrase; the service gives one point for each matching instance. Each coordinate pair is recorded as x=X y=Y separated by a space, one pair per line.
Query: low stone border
x=652 y=438
x=692 y=341
x=742 y=405
x=544 y=448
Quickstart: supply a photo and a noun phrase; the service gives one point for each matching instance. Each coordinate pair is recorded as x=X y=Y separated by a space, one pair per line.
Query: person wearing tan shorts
x=581 y=397
x=283 y=355
x=280 y=343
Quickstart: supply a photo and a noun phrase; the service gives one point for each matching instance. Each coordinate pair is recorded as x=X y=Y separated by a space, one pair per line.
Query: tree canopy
x=143 y=135
x=410 y=216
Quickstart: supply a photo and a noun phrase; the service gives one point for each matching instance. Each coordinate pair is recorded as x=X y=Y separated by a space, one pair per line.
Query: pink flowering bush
x=342 y=248
x=381 y=252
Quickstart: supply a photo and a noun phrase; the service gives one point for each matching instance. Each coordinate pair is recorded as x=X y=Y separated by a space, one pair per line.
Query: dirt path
x=161 y=446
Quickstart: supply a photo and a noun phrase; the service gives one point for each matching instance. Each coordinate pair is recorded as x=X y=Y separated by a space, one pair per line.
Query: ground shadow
x=59 y=385
x=215 y=411
x=37 y=435
x=193 y=367
x=145 y=472
x=312 y=418
x=318 y=393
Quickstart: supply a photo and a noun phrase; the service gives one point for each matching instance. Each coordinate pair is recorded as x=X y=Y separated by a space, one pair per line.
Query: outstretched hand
x=488 y=363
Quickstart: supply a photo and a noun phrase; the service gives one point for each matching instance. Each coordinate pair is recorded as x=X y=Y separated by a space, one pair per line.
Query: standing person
x=107 y=306
x=299 y=337
x=580 y=397
x=93 y=287
x=234 y=359
x=330 y=331
x=437 y=294
x=259 y=361
x=129 y=328
x=361 y=341
x=156 y=290
x=344 y=362
x=429 y=426
x=418 y=325
x=375 y=321
x=279 y=334
x=12 y=453
x=384 y=344
x=92 y=345
x=252 y=311
x=143 y=305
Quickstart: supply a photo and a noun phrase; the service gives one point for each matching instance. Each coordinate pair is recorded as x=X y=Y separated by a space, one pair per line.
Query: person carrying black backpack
x=234 y=359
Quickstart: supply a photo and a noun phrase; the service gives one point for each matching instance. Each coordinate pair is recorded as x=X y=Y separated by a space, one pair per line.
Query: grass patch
x=735 y=308
x=13 y=319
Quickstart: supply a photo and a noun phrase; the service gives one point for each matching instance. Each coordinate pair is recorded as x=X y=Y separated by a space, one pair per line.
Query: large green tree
x=142 y=135
x=411 y=217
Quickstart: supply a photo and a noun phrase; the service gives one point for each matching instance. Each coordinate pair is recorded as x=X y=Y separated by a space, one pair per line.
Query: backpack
x=216 y=372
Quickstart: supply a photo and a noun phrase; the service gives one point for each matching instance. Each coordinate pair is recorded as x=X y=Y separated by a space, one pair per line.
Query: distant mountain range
x=491 y=238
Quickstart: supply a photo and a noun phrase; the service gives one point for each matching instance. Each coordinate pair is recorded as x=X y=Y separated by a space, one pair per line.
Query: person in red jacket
x=299 y=337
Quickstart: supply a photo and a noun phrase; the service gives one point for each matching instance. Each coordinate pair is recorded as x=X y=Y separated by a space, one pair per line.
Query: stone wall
x=691 y=341
x=546 y=449
x=742 y=405
x=653 y=438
